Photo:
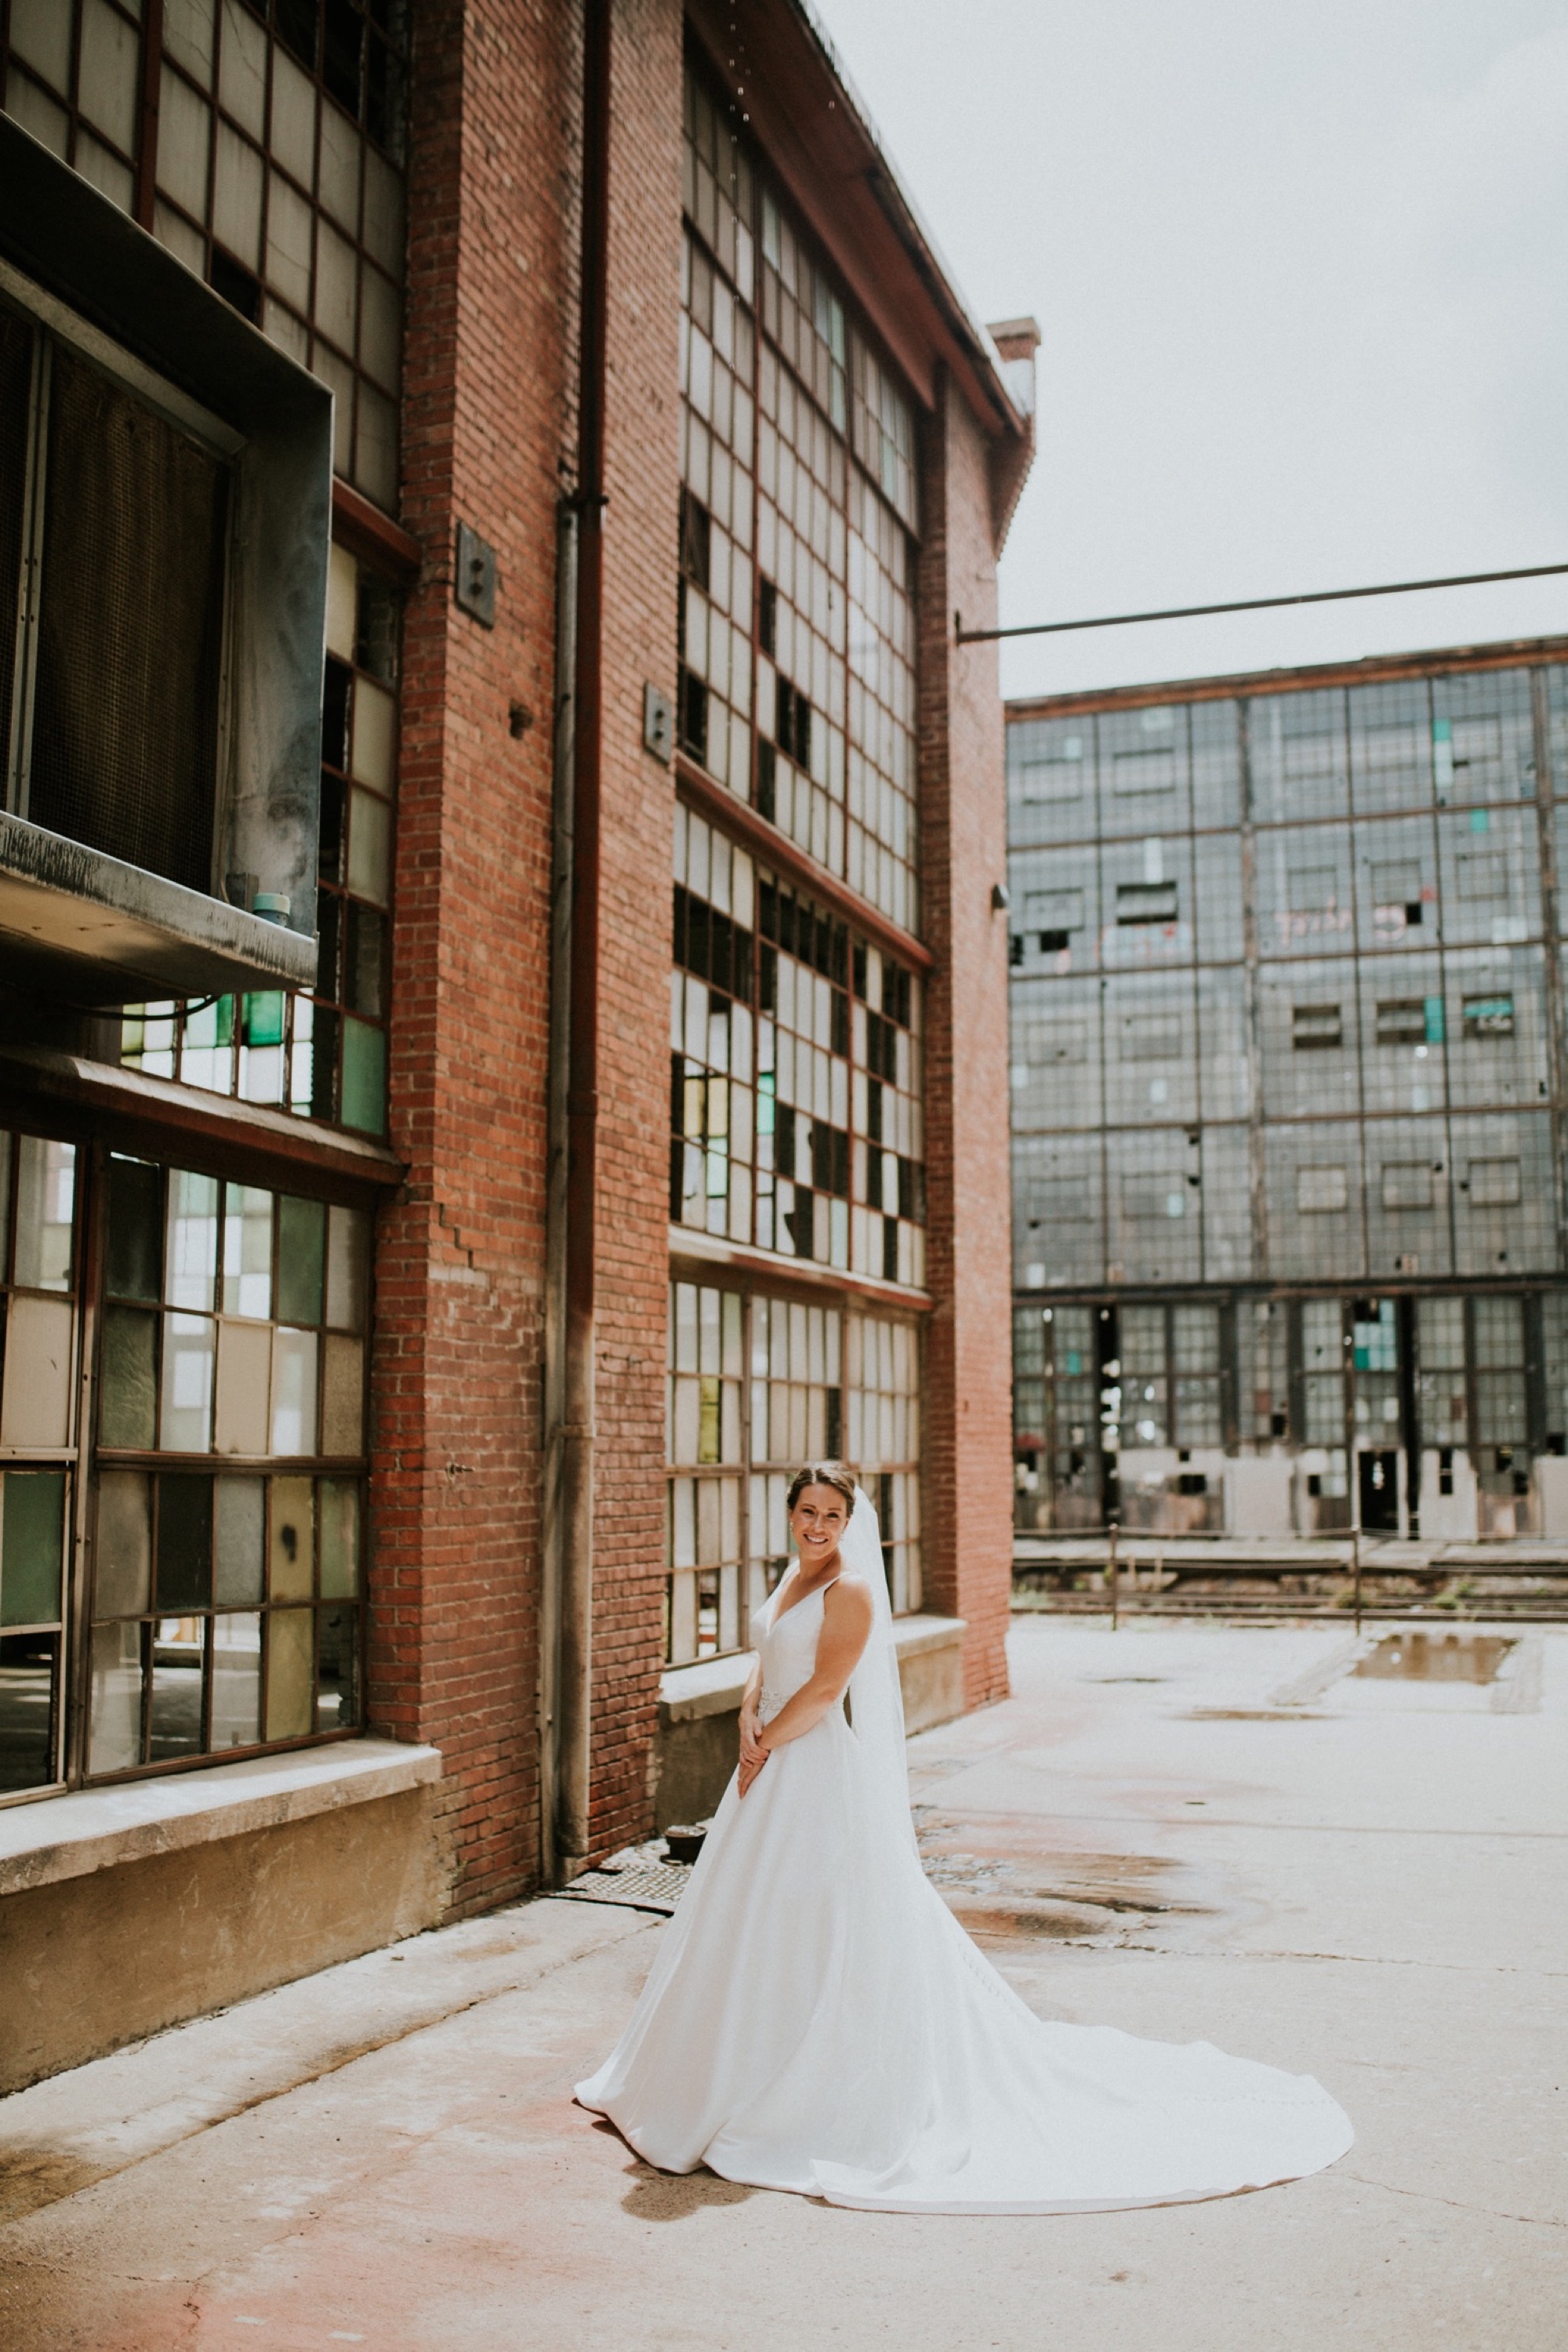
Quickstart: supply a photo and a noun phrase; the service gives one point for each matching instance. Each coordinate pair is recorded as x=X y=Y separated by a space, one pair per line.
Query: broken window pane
x=237 y=1681
x=179 y=1646
x=337 y=1669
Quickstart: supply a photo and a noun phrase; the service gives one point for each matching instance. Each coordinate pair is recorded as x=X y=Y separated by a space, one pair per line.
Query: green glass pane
x=30 y=1551
x=184 y=1578
x=263 y=1018
x=364 y=1077
x=135 y=1229
x=301 y=1255
x=128 y=1401
x=340 y=1538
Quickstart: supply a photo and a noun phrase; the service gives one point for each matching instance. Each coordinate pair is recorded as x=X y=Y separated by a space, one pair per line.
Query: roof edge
x=1500 y=652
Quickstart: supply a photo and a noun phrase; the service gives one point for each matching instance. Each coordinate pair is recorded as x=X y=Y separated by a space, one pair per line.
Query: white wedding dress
x=817 y=2021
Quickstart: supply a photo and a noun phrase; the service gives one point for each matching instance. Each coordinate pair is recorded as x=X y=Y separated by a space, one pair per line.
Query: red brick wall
x=456 y=1378
x=641 y=529
x=968 y=1367
x=489 y=437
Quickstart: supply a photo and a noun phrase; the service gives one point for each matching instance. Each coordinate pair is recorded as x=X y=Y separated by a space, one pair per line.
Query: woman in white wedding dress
x=817 y=2021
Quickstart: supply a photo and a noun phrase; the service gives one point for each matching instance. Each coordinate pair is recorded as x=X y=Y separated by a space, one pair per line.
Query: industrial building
x=1289 y=1086
x=504 y=1042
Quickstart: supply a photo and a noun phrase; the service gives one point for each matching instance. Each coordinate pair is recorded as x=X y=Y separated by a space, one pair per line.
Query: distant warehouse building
x=1290 y=1072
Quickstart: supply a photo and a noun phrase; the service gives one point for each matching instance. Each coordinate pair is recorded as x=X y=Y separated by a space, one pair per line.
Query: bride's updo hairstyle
x=836 y=1474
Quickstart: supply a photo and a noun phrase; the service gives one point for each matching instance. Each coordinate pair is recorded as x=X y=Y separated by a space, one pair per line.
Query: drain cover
x=641 y=1879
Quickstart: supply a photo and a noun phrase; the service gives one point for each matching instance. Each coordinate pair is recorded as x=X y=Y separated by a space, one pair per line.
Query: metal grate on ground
x=640 y=1877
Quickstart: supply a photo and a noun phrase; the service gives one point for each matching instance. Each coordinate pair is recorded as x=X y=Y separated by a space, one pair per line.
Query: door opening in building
x=1379 y=1476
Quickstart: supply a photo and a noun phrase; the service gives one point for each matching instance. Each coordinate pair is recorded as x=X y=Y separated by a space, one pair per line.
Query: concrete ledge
x=694 y=1745
x=124 y=1910
x=101 y=1829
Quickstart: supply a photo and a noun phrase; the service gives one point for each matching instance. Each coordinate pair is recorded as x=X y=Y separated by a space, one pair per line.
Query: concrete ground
x=1187 y=1830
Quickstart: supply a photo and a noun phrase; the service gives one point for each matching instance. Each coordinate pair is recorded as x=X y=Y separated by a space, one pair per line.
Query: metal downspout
x=567 y=1628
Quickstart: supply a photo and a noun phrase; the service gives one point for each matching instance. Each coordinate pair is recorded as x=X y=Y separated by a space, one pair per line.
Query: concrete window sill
x=97 y=1829
x=717 y=1686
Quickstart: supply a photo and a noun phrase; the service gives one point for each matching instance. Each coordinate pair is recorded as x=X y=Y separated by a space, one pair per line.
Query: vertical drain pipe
x=552 y=1544
x=574 y=1103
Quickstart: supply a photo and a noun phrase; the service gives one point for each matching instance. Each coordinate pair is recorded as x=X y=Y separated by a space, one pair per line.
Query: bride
x=817 y=2021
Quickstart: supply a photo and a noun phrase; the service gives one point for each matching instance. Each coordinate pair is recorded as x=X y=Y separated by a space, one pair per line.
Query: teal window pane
x=31 y=1546
x=263 y=1018
x=364 y=1077
x=301 y=1258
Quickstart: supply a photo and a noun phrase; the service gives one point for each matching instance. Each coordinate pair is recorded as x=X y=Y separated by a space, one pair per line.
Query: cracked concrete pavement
x=1185 y=1830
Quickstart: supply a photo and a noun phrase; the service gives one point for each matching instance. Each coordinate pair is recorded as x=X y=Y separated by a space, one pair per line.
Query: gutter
x=566 y=1629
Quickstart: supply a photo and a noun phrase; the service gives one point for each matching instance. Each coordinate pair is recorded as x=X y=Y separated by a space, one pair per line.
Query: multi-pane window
x=188 y=1424
x=704 y=1386
x=320 y=1056
x=229 y=1465
x=755 y=1386
x=38 y=1453
x=796 y=1080
x=798 y=443
x=796 y=1414
x=1384 y=956
x=276 y=174
x=882 y=1401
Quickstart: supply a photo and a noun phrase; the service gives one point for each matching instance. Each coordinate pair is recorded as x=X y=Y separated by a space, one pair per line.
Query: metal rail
x=1249 y=604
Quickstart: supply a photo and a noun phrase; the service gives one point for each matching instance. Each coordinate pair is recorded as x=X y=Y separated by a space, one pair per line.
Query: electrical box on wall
x=474 y=585
x=657 y=724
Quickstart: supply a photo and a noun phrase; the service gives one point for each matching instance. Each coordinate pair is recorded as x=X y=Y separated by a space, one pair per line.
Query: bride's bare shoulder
x=850 y=1600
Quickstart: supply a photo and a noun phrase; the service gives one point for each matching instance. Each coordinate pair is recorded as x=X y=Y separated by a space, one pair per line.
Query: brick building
x=1289 y=1081
x=419 y=1279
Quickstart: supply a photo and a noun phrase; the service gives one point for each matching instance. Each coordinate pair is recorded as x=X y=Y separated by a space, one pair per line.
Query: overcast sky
x=1302 y=274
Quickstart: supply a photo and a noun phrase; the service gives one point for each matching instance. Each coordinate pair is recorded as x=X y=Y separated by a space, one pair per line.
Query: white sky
x=1302 y=274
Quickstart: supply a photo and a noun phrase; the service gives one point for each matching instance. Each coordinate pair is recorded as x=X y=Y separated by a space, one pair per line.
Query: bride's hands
x=753 y=1755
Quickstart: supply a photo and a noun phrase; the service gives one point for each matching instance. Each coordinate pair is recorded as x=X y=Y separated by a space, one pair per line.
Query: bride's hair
x=836 y=1474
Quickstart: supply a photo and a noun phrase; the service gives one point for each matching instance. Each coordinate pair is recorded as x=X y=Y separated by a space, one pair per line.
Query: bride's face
x=816 y=1523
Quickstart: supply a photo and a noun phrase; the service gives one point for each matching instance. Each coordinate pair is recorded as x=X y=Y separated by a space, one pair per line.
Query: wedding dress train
x=817 y=2021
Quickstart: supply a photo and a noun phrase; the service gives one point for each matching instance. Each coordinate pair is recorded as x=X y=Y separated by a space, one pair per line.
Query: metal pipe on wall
x=552 y=1544
x=567 y=1631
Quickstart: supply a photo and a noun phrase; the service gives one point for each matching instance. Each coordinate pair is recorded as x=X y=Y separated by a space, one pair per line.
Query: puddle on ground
x=1126 y=1678
x=1431 y=1658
